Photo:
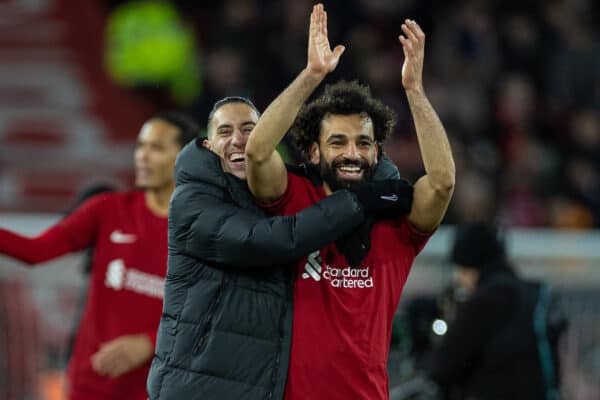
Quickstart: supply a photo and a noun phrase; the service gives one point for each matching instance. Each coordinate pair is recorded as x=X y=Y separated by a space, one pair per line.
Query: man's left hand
x=121 y=355
x=413 y=45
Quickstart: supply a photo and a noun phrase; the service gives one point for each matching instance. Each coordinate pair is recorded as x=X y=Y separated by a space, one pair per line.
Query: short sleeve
x=417 y=239
x=299 y=194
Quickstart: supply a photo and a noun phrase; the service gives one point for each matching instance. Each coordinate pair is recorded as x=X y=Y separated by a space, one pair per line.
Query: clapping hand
x=321 y=59
x=413 y=45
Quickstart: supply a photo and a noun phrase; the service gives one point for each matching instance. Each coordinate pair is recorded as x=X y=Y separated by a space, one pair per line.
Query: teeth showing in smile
x=350 y=169
x=236 y=157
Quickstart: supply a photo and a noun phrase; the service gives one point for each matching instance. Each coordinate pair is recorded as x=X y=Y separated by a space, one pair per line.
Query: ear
x=376 y=153
x=206 y=144
x=315 y=153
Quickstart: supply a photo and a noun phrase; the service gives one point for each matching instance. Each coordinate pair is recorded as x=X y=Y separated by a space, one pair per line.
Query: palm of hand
x=413 y=46
x=321 y=59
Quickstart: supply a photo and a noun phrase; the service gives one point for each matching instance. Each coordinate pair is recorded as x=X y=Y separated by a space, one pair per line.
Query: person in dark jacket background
x=502 y=341
x=225 y=332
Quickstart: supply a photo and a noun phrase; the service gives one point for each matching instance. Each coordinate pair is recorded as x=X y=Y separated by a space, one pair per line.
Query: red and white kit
x=126 y=288
x=343 y=315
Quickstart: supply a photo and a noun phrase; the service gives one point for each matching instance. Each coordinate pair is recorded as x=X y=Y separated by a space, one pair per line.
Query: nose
x=141 y=153
x=239 y=139
x=351 y=152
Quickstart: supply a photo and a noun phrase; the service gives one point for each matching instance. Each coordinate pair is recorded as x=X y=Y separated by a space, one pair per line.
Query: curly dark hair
x=342 y=98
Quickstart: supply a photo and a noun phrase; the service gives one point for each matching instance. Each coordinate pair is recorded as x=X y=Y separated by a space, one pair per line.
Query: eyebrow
x=228 y=125
x=336 y=136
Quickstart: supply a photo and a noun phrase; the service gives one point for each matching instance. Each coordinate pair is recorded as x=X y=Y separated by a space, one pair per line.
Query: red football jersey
x=343 y=315
x=126 y=287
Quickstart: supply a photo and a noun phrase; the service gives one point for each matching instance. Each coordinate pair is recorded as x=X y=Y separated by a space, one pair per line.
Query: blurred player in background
x=117 y=333
x=84 y=195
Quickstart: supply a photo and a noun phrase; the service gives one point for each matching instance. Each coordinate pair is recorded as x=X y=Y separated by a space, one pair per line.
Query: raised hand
x=321 y=59
x=413 y=45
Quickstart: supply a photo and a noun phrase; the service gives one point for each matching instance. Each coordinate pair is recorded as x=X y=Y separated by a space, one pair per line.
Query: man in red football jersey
x=343 y=310
x=117 y=333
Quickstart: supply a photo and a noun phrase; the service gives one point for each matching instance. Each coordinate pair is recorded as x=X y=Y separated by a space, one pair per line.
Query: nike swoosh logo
x=120 y=237
x=390 y=198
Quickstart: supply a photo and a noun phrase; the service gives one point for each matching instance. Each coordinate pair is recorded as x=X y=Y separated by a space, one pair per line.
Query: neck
x=157 y=200
x=327 y=189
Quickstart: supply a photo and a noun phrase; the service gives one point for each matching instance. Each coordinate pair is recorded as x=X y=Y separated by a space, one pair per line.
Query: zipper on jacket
x=201 y=341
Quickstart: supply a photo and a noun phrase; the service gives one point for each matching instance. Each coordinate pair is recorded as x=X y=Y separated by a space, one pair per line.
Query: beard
x=330 y=176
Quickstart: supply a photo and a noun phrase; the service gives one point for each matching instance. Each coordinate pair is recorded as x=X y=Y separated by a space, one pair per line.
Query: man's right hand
x=122 y=355
x=321 y=59
x=266 y=173
x=385 y=198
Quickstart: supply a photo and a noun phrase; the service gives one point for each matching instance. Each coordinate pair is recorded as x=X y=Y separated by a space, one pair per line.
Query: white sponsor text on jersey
x=117 y=236
x=119 y=277
x=337 y=277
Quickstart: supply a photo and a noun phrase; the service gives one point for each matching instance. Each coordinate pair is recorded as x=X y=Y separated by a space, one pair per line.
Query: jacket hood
x=196 y=163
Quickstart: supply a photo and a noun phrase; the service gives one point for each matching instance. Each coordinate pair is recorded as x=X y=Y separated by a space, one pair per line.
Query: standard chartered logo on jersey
x=119 y=277
x=345 y=277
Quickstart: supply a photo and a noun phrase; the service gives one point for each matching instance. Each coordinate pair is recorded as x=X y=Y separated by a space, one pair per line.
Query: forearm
x=433 y=142
x=279 y=116
x=230 y=236
x=265 y=170
x=32 y=250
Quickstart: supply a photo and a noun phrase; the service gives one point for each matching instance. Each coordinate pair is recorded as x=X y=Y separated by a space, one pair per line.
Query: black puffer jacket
x=226 y=327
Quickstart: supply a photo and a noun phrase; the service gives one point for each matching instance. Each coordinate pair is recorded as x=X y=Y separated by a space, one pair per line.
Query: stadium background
x=516 y=83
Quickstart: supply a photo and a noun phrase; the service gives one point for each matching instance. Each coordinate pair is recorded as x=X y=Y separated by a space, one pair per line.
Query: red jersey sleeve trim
x=415 y=232
x=418 y=238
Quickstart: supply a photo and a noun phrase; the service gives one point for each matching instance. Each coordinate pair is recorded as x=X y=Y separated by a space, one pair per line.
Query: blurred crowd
x=516 y=83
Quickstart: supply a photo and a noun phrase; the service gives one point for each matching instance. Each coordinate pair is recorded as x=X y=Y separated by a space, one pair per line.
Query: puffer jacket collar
x=197 y=164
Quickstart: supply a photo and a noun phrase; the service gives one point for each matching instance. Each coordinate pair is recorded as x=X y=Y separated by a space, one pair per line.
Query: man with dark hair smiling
x=346 y=101
x=222 y=141
x=342 y=311
x=226 y=327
